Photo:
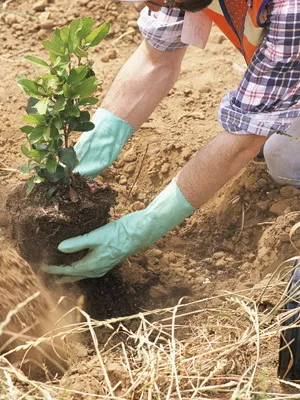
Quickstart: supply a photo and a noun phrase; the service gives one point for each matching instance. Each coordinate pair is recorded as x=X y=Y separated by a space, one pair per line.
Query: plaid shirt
x=268 y=98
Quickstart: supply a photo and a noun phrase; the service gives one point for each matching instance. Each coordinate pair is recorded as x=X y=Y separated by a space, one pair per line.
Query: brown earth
x=238 y=238
x=27 y=312
x=39 y=225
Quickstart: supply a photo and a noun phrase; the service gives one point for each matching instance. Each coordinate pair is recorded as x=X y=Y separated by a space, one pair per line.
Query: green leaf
x=64 y=34
x=60 y=104
x=57 y=125
x=53 y=47
x=35 y=119
x=57 y=142
x=30 y=108
x=50 y=192
x=85 y=88
x=74 y=39
x=27 y=129
x=42 y=105
x=37 y=155
x=61 y=67
x=36 y=134
x=71 y=111
x=47 y=133
x=30 y=87
x=53 y=177
x=84 y=127
x=30 y=186
x=81 y=53
x=84 y=116
x=77 y=74
x=50 y=81
x=24 y=150
x=86 y=28
x=67 y=91
x=56 y=38
x=37 y=61
x=97 y=35
x=51 y=165
x=68 y=157
x=88 y=101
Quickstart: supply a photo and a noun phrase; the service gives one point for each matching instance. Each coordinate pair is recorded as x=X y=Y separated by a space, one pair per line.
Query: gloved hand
x=117 y=240
x=98 y=148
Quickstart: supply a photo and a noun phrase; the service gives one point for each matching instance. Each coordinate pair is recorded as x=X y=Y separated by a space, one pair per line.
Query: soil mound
x=18 y=283
x=39 y=225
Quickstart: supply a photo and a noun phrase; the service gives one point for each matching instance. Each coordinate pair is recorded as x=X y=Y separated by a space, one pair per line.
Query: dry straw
x=223 y=347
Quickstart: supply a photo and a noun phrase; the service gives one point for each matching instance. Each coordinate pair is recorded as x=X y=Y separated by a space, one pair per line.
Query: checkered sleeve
x=162 y=29
x=268 y=97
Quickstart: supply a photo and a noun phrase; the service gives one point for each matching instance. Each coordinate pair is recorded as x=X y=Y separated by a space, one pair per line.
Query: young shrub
x=55 y=104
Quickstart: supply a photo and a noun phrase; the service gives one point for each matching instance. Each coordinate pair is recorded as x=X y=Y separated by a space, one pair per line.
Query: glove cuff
x=166 y=211
x=121 y=129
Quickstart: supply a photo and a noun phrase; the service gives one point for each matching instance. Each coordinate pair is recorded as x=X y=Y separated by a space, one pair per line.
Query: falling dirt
x=237 y=239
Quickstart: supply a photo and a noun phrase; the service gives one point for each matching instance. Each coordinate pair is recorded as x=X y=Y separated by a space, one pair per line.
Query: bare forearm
x=215 y=164
x=143 y=81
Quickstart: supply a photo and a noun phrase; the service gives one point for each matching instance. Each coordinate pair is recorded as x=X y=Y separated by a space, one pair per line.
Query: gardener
x=266 y=103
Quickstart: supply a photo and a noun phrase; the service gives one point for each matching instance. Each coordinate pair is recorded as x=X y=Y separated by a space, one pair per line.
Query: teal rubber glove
x=119 y=239
x=98 y=148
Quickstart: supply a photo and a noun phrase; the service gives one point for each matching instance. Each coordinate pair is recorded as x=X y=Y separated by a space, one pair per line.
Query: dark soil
x=38 y=225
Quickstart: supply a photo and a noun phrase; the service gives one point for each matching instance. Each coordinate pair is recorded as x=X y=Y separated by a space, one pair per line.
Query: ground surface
x=231 y=243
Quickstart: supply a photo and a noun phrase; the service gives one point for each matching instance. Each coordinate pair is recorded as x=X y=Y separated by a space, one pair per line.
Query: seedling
x=56 y=100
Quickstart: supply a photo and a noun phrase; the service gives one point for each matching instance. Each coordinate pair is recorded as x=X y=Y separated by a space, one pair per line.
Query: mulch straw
x=213 y=348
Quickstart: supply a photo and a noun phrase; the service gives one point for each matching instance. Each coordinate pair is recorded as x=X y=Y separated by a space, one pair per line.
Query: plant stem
x=66 y=135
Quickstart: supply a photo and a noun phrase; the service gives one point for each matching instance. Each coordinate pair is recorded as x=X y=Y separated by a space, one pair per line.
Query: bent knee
x=282 y=157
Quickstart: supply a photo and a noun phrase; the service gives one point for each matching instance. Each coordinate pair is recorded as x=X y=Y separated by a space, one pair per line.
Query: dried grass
x=214 y=348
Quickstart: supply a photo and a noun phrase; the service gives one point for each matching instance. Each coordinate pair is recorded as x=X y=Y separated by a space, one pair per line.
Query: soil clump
x=39 y=225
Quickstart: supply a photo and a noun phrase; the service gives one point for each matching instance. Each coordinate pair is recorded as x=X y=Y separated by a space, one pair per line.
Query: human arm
x=143 y=81
x=200 y=178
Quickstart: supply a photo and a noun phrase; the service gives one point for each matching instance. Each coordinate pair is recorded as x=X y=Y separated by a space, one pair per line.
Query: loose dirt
x=39 y=225
x=237 y=239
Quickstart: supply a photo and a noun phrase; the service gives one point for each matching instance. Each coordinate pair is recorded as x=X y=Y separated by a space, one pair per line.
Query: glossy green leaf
x=30 y=108
x=84 y=127
x=53 y=47
x=30 y=186
x=97 y=35
x=77 y=74
x=71 y=111
x=60 y=104
x=56 y=38
x=51 y=165
x=88 y=101
x=81 y=53
x=24 y=150
x=84 y=116
x=27 y=129
x=64 y=34
x=37 y=61
x=53 y=177
x=68 y=157
x=50 y=192
x=67 y=90
x=47 y=133
x=42 y=105
x=35 y=119
x=30 y=87
x=86 y=28
x=85 y=88
x=74 y=39
x=36 y=134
